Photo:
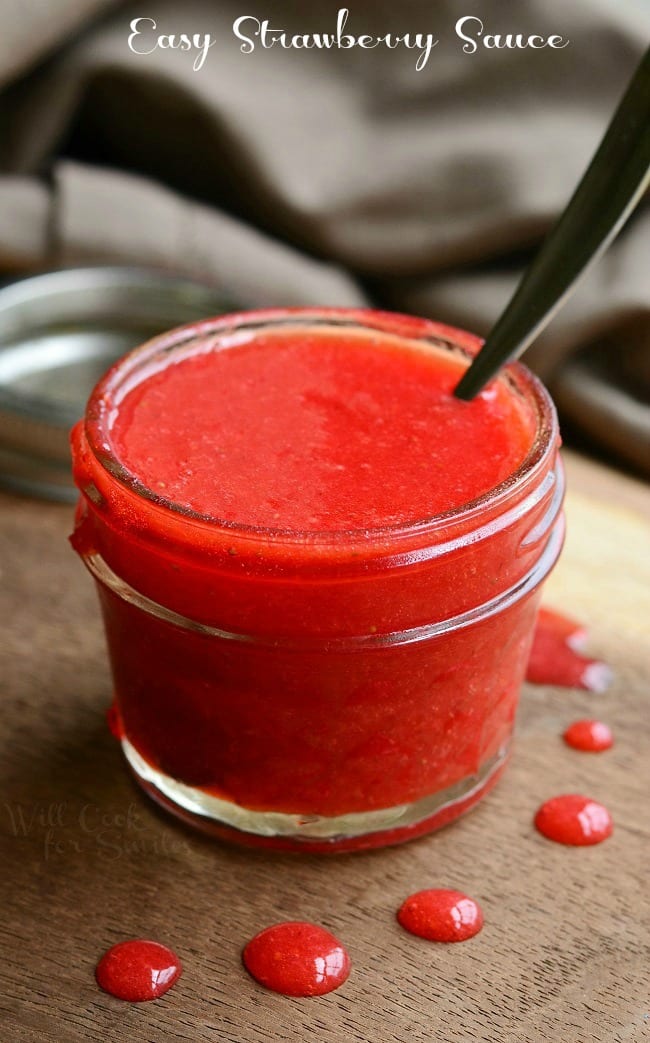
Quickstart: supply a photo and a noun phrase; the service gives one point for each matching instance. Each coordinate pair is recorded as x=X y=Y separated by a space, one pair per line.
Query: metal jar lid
x=58 y=333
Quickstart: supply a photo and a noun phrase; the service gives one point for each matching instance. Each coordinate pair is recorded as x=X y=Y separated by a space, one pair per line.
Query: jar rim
x=100 y=412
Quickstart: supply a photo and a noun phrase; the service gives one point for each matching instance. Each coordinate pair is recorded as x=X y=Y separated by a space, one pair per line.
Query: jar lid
x=59 y=332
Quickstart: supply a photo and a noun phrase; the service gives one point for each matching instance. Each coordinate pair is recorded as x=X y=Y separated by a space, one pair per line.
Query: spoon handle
x=610 y=188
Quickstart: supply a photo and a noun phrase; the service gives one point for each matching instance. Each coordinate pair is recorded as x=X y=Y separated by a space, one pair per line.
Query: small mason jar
x=322 y=691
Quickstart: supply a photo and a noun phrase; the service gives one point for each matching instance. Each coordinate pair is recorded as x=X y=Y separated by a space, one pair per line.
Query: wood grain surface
x=88 y=861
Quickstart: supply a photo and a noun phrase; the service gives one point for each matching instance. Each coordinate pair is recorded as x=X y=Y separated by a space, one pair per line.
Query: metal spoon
x=612 y=185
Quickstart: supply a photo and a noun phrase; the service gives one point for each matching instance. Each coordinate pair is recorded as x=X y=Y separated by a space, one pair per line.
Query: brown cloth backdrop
x=335 y=177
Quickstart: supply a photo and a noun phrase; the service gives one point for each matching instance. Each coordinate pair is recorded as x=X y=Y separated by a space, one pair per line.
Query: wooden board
x=88 y=861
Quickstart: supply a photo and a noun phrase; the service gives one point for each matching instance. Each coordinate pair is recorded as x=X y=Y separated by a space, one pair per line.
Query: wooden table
x=88 y=861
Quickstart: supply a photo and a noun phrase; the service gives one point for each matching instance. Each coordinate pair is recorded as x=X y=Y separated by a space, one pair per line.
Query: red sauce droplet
x=573 y=819
x=591 y=736
x=114 y=721
x=441 y=915
x=556 y=656
x=138 y=970
x=297 y=959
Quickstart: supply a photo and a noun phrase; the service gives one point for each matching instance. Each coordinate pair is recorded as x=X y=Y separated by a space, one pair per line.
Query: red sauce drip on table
x=297 y=959
x=441 y=915
x=556 y=656
x=574 y=819
x=590 y=736
x=138 y=970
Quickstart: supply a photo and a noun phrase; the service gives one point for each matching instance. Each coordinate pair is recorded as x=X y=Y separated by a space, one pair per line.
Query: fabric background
x=338 y=178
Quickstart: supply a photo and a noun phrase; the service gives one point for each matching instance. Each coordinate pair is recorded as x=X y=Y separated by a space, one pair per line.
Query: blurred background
x=305 y=177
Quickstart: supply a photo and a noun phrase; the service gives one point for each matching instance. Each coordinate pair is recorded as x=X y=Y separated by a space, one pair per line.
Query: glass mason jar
x=321 y=691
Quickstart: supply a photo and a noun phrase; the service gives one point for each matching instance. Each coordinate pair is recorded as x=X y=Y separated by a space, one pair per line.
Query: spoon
x=610 y=188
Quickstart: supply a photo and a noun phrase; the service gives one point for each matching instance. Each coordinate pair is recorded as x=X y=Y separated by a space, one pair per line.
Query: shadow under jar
x=318 y=571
